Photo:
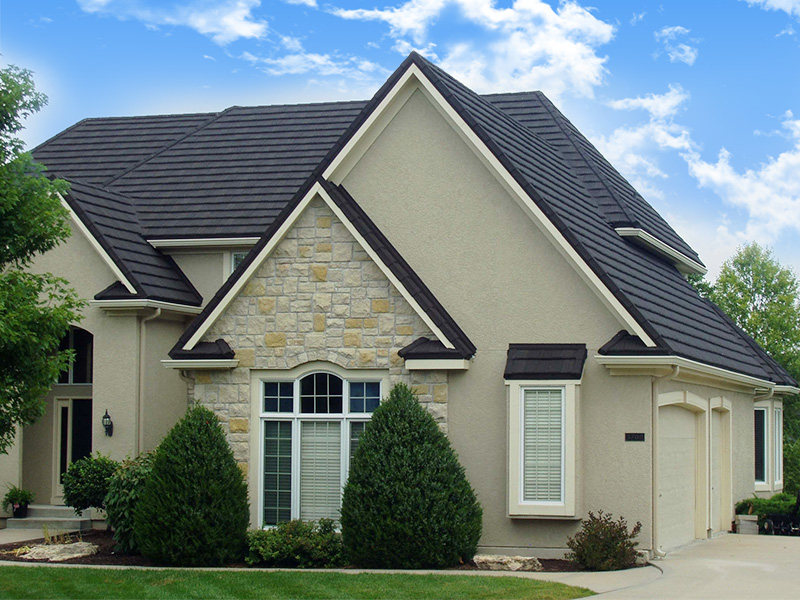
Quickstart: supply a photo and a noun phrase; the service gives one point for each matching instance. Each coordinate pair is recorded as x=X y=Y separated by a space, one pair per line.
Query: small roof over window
x=545 y=361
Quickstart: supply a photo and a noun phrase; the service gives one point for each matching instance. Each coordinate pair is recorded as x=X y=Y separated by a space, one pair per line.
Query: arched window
x=80 y=370
x=310 y=429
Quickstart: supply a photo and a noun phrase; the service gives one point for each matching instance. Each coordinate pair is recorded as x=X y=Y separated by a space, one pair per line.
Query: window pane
x=356 y=429
x=82 y=366
x=278 y=396
x=365 y=396
x=320 y=470
x=760 y=444
x=277 y=472
x=321 y=393
x=542 y=445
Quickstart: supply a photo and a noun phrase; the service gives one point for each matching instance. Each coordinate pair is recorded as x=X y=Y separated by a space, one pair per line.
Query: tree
x=35 y=310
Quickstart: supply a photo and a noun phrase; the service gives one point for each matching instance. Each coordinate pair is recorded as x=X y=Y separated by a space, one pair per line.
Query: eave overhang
x=133 y=305
x=690 y=371
x=683 y=263
x=199 y=364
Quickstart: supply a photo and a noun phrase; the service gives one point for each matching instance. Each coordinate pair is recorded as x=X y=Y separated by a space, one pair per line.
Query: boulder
x=496 y=562
x=59 y=552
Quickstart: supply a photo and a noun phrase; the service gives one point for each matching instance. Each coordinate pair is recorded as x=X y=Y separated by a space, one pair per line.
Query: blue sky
x=697 y=103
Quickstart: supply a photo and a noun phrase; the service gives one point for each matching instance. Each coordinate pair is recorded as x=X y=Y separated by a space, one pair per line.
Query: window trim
x=346 y=418
x=517 y=507
x=777 y=450
x=763 y=484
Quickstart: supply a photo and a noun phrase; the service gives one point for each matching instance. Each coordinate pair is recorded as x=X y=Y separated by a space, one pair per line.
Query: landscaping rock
x=495 y=562
x=59 y=552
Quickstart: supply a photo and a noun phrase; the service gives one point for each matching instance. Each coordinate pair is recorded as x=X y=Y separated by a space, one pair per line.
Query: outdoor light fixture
x=108 y=424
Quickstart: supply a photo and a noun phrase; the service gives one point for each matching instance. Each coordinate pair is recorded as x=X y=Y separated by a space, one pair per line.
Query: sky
x=696 y=102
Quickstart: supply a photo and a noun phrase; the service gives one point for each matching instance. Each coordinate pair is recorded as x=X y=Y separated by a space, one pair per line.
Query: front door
x=74 y=436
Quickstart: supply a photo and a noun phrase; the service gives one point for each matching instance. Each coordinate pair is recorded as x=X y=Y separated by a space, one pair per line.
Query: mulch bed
x=106 y=555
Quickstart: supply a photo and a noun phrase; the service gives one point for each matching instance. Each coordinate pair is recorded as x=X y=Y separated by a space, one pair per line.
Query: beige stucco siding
x=504 y=282
x=206 y=270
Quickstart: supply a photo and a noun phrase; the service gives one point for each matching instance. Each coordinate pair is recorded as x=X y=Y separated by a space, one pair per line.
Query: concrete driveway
x=729 y=566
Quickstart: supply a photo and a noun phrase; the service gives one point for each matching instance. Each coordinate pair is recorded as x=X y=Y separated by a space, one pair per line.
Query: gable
x=483 y=257
x=318 y=296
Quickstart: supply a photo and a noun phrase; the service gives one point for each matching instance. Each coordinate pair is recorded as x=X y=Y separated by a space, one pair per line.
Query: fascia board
x=679 y=259
x=437 y=364
x=358 y=144
x=687 y=366
x=114 y=305
x=203 y=242
x=201 y=365
x=786 y=390
x=316 y=190
x=98 y=247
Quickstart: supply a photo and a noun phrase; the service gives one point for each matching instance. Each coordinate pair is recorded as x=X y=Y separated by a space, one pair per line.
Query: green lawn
x=48 y=582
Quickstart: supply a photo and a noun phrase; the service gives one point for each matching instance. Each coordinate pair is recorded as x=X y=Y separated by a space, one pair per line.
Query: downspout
x=140 y=395
x=765 y=396
x=654 y=450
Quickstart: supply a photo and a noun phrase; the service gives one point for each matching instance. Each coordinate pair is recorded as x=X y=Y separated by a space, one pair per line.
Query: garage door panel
x=677 y=448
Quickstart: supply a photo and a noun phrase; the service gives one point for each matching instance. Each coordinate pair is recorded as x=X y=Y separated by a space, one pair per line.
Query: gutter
x=654 y=450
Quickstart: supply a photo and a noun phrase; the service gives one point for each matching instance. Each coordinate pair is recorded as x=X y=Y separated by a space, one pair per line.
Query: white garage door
x=677 y=458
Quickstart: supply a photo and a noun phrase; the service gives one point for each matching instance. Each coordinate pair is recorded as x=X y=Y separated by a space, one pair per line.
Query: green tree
x=763 y=298
x=35 y=309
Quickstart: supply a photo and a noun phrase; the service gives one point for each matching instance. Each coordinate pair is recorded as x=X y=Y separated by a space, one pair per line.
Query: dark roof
x=204 y=351
x=238 y=172
x=113 y=222
x=625 y=344
x=424 y=348
x=545 y=361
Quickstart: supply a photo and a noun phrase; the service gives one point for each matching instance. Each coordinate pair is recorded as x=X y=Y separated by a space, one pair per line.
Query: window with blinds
x=542 y=445
x=277 y=472
x=320 y=469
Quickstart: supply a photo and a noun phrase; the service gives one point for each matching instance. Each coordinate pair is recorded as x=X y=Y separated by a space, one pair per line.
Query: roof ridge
x=170 y=145
x=562 y=122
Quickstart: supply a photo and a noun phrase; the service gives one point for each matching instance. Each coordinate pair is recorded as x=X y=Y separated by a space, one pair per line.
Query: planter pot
x=21 y=511
x=747 y=524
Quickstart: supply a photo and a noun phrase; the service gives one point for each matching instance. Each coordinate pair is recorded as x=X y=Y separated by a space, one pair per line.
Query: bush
x=407 y=503
x=193 y=510
x=296 y=544
x=86 y=482
x=124 y=491
x=603 y=544
x=779 y=504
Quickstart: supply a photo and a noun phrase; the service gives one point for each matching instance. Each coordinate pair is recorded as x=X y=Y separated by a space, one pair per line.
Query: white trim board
x=413 y=79
x=679 y=259
x=204 y=242
x=112 y=305
x=202 y=365
x=96 y=245
x=316 y=191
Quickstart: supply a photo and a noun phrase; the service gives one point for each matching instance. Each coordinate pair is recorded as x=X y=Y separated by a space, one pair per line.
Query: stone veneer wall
x=318 y=296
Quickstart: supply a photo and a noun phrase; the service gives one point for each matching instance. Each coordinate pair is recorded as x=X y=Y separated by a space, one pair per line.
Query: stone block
x=239 y=425
x=440 y=393
x=324 y=222
x=370 y=323
x=352 y=339
x=354 y=323
x=319 y=273
x=266 y=306
x=405 y=330
x=380 y=305
x=319 y=322
x=244 y=468
x=275 y=340
x=365 y=357
x=323 y=247
x=246 y=356
x=305 y=251
x=315 y=340
x=203 y=377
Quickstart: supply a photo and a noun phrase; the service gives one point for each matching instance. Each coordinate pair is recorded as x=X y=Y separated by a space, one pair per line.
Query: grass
x=48 y=582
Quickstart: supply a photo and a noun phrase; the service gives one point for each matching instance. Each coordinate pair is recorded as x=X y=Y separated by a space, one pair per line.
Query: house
x=285 y=265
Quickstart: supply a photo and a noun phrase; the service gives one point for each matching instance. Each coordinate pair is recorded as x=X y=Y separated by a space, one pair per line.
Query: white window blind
x=542 y=445
x=320 y=470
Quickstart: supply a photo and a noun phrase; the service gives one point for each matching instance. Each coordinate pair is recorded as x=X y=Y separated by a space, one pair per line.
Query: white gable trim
x=679 y=259
x=203 y=242
x=96 y=245
x=316 y=190
x=412 y=80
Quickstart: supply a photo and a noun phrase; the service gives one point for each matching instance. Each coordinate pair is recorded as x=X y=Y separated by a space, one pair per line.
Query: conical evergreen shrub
x=407 y=503
x=194 y=510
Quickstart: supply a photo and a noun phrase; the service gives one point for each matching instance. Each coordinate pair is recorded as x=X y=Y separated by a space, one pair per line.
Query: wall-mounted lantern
x=108 y=424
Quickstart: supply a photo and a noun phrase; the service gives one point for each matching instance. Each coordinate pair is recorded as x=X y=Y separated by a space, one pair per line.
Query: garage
x=677 y=476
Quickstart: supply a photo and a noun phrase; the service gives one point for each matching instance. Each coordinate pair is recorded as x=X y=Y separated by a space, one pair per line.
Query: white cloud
x=311 y=3
x=790 y=7
x=659 y=106
x=769 y=193
x=635 y=18
x=325 y=65
x=677 y=51
x=224 y=21
x=529 y=45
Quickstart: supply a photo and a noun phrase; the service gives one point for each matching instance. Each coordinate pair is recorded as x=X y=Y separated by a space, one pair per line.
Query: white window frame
x=346 y=418
x=777 y=441
x=762 y=485
x=517 y=507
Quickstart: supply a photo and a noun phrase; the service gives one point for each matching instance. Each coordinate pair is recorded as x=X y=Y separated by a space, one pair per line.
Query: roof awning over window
x=545 y=361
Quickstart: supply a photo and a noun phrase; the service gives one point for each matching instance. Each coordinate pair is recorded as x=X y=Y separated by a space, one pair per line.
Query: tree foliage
x=35 y=309
x=407 y=503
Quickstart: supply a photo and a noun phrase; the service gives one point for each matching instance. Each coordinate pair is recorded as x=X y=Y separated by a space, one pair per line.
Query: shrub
x=603 y=544
x=86 y=482
x=296 y=544
x=193 y=510
x=779 y=504
x=17 y=496
x=124 y=491
x=407 y=503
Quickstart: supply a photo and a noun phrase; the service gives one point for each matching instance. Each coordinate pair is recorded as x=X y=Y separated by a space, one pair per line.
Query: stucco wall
x=206 y=270
x=504 y=282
